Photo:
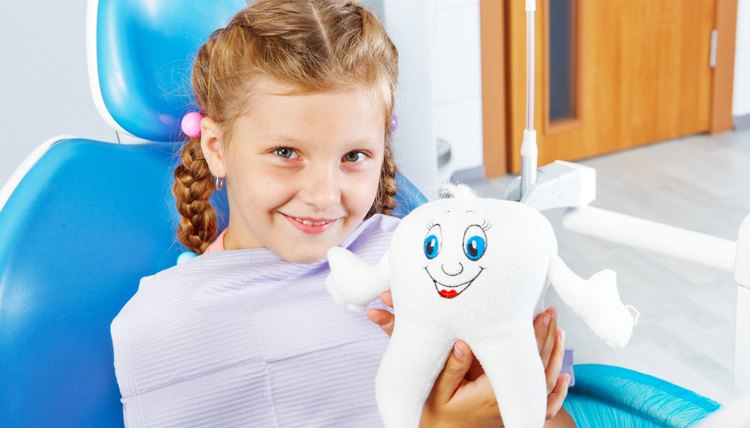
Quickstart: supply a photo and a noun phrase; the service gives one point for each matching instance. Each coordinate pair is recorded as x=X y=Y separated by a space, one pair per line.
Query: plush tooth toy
x=475 y=269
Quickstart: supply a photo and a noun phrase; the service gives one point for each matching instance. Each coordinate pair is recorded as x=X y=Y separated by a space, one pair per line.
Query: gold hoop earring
x=219 y=183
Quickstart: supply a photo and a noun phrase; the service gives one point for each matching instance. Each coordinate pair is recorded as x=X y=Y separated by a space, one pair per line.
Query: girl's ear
x=213 y=149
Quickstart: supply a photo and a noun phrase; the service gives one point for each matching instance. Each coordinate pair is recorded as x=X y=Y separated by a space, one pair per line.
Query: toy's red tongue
x=448 y=294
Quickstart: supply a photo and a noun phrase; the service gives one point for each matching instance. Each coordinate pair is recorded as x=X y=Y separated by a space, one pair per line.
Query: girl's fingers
x=387 y=298
x=549 y=341
x=384 y=319
x=453 y=373
x=541 y=324
x=552 y=370
x=556 y=398
x=475 y=370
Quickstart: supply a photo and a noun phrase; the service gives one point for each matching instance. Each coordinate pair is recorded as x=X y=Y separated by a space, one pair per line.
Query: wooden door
x=639 y=72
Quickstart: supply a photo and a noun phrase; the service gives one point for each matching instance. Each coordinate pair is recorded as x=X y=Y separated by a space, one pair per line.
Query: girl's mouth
x=312 y=226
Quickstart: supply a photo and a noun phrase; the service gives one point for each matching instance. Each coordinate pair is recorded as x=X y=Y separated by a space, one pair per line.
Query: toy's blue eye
x=475 y=242
x=432 y=242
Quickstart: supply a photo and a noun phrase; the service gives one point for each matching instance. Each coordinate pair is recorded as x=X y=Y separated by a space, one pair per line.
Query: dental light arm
x=529 y=148
x=648 y=235
x=731 y=256
x=561 y=184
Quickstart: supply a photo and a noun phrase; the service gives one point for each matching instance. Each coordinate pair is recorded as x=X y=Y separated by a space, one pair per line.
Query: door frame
x=494 y=101
x=722 y=85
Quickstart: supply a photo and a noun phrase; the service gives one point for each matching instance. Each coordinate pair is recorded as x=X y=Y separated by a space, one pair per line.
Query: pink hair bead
x=191 y=124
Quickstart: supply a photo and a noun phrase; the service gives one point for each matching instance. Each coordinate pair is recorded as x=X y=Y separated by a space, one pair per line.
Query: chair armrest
x=615 y=396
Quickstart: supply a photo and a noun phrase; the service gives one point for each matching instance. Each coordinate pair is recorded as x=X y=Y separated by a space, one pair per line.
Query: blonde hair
x=315 y=45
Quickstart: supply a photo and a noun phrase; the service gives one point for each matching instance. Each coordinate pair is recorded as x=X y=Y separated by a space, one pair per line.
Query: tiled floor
x=686 y=329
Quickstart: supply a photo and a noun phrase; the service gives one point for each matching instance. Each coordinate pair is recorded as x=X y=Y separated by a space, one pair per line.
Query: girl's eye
x=285 y=152
x=475 y=242
x=354 y=157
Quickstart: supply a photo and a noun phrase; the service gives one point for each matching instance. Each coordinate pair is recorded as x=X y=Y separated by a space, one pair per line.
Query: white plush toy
x=473 y=269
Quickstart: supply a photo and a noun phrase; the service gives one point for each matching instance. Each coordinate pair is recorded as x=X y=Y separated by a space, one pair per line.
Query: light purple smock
x=244 y=338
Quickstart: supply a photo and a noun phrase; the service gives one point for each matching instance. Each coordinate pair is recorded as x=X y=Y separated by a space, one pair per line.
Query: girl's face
x=302 y=169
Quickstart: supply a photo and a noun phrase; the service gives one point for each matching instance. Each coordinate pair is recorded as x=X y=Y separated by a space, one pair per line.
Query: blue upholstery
x=85 y=223
x=618 y=397
x=144 y=52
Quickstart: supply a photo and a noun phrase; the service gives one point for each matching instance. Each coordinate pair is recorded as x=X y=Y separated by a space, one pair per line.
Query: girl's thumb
x=458 y=363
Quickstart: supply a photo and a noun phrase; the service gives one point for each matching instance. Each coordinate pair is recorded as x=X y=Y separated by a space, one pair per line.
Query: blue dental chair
x=89 y=219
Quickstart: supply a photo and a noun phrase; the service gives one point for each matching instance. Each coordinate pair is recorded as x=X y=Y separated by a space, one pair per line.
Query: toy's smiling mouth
x=447 y=291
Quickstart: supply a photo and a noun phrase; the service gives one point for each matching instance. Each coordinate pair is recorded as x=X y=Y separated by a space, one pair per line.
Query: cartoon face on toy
x=453 y=276
x=452 y=255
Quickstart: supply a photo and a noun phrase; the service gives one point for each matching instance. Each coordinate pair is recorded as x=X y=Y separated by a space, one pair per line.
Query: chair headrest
x=140 y=55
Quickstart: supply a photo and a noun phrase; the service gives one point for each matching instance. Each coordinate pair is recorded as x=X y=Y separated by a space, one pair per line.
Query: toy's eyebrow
x=470 y=211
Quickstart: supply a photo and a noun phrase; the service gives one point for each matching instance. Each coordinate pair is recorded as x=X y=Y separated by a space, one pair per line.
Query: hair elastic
x=191 y=124
x=394 y=123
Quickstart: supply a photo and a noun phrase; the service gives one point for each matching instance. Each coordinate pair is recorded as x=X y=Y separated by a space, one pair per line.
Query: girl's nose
x=321 y=188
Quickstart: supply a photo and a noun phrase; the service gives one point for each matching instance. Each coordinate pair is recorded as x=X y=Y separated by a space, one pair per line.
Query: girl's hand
x=456 y=401
x=550 y=341
x=382 y=317
x=470 y=393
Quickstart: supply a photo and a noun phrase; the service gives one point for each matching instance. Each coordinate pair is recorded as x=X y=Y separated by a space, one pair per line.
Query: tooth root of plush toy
x=515 y=377
x=411 y=358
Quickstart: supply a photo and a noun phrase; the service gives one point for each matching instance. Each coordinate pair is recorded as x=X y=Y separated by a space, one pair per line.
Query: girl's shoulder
x=175 y=288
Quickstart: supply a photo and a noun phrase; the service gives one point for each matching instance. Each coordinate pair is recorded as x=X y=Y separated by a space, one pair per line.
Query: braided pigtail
x=385 y=200
x=192 y=189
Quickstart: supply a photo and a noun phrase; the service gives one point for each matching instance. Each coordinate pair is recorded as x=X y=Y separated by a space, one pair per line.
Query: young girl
x=297 y=99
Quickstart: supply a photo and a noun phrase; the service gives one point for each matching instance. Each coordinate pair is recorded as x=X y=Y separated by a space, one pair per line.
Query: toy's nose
x=452 y=269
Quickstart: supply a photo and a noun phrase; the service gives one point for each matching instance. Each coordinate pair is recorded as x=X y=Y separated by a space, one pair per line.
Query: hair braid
x=192 y=188
x=385 y=200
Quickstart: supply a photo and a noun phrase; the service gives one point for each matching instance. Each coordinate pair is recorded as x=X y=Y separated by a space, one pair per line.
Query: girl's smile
x=312 y=226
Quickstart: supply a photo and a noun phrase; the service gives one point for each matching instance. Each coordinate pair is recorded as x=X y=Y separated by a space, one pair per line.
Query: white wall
x=457 y=80
x=741 y=96
x=409 y=26
x=44 y=88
